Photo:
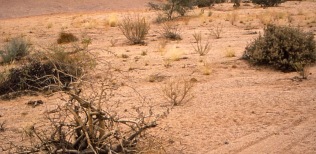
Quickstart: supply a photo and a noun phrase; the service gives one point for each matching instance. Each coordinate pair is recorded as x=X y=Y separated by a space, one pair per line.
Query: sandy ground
x=237 y=108
x=18 y=8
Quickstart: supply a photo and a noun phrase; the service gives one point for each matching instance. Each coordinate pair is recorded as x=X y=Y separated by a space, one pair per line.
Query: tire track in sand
x=273 y=139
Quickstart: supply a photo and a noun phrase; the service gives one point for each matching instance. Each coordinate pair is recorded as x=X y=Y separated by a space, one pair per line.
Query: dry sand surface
x=24 y=8
x=237 y=108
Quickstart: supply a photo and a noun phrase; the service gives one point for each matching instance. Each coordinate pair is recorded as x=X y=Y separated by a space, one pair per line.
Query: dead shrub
x=199 y=47
x=134 y=29
x=53 y=70
x=171 y=31
x=90 y=123
x=177 y=92
x=217 y=31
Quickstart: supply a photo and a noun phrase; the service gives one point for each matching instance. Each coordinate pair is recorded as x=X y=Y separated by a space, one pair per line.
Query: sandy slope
x=238 y=108
x=18 y=8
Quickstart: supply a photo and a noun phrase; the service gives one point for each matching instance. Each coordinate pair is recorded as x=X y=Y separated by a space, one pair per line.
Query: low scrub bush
x=268 y=3
x=135 y=30
x=173 y=6
x=282 y=47
x=15 y=49
x=204 y=3
x=171 y=32
x=66 y=38
x=53 y=70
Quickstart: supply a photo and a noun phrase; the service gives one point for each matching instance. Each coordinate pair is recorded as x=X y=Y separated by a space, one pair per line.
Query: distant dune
x=24 y=8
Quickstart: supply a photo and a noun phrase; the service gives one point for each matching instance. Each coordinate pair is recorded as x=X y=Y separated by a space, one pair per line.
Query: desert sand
x=237 y=107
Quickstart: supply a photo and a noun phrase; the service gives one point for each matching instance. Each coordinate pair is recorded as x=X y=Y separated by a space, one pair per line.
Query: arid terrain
x=237 y=107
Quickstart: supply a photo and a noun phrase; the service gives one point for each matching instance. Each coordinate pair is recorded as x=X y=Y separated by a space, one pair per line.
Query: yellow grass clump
x=230 y=53
x=112 y=21
x=173 y=53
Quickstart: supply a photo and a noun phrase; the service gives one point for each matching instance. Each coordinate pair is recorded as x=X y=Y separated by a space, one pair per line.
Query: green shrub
x=66 y=38
x=173 y=6
x=15 y=50
x=282 y=47
x=268 y=3
x=135 y=30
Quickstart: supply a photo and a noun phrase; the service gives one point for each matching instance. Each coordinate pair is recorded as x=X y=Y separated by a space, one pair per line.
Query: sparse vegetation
x=217 y=31
x=66 y=38
x=171 y=32
x=113 y=42
x=135 y=30
x=15 y=49
x=199 y=47
x=144 y=53
x=162 y=46
x=81 y=125
x=204 y=3
x=112 y=20
x=283 y=48
x=156 y=77
x=124 y=56
x=2 y=126
x=173 y=6
x=230 y=53
x=206 y=68
x=232 y=17
x=50 y=71
x=268 y=3
x=107 y=98
x=302 y=70
x=178 y=92
x=174 y=53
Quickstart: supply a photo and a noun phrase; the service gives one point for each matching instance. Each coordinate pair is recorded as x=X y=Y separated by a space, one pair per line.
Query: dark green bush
x=282 y=47
x=172 y=7
x=204 y=3
x=208 y=3
x=15 y=49
x=267 y=3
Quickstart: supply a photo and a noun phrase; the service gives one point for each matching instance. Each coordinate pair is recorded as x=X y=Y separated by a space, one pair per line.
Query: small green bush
x=268 y=3
x=135 y=30
x=282 y=47
x=172 y=7
x=15 y=49
x=66 y=38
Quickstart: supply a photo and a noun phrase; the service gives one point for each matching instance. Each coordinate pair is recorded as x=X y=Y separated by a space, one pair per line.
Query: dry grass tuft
x=230 y=53
x=174 y=54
